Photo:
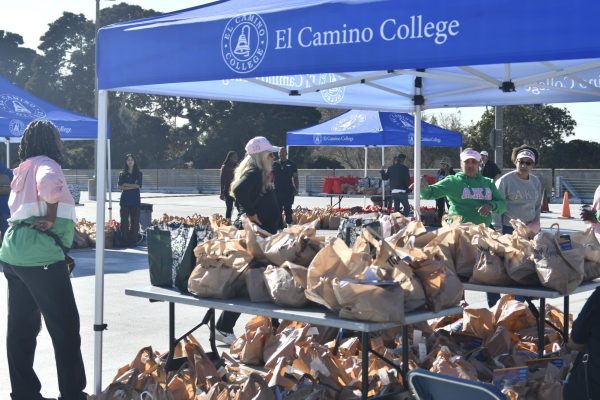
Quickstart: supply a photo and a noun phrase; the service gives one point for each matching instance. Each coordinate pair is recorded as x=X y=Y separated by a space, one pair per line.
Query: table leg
x=171 y=326
x=366 y=346
x=541 y=326
x=211 y=339
x=404 y=351
x=566 y=319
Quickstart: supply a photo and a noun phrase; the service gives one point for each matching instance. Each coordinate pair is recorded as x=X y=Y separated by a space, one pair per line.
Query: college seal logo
x=244 y=43
x=333 y=95
x=16 y=127
x=20 y=107
x=349 y=122
x=402 y=120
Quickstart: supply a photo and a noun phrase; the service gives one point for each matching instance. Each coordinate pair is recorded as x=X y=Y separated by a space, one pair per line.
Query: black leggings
x=130 y=224
x=33 y=292
x=229 y=206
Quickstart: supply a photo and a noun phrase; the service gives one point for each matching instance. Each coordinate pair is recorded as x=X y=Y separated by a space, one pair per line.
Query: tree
x=541 y=126
x=574 y=154
x=224 y=126
x=15 y=61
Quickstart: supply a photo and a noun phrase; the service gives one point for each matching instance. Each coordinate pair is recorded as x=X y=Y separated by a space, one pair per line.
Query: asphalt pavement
x=134 y=323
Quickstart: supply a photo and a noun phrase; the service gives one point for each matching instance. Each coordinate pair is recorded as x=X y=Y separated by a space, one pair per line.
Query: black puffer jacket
x=251 y=201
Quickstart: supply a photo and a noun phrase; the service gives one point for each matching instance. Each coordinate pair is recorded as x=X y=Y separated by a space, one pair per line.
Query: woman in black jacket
x=253 y=190
x=252 y=185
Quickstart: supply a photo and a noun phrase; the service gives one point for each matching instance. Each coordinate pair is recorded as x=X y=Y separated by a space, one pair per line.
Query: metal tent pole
x=419 y=101
x=109 y=177
x=366 y=161
x=382 y=181
x=99 y=325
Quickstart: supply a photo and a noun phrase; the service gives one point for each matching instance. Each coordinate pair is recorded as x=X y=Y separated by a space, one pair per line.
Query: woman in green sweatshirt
x=470 y=195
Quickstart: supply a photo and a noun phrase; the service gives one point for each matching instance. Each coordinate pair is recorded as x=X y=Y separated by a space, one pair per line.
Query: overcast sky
x=18 y=16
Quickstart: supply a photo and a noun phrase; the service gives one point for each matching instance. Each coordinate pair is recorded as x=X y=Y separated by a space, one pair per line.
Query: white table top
x=313 y=315
x=530 y=291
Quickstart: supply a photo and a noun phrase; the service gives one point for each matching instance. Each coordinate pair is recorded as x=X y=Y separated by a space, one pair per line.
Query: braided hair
x=41 y=138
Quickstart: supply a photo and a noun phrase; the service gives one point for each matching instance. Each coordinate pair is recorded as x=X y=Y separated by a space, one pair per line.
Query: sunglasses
x=528 y=163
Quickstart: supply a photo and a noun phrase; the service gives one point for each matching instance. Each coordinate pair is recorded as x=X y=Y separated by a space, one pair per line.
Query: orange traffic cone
x=566 y=209
x=545 y=207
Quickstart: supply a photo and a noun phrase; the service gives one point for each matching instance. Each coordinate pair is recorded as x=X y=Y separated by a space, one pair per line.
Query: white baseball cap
x=259 y=144
x=470 y=153
x=484 y=153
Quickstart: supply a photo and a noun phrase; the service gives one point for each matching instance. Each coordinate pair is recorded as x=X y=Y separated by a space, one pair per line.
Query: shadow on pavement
x=115 y=261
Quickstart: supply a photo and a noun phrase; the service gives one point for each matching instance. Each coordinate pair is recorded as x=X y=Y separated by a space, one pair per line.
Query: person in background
x=35 y=269
x=592 y=214
x=285 y=176
x=522 y=190
x=6 y=177
x=130 y=182
x=444 y=171
x=471 y=195
x=252 y=188
x=399 y=177
x=585 y=338
x=227 y=170
x=489 y=169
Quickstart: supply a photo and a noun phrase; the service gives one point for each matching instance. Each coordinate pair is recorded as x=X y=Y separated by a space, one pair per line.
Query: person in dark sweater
x=130 y=182
x=585 y=337
x=445 y=170
x=399 y=178
x=227 y=170
x=489 y=169
x=252 y=188
x=285 y=174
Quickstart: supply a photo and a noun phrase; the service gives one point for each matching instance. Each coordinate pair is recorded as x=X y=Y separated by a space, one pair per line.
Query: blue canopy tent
x=357 y=128
x=18 y=108
x=387 y=55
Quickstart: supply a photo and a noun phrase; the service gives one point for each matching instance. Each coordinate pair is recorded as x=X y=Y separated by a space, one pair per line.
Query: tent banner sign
x=246 y=37
x=241 y=39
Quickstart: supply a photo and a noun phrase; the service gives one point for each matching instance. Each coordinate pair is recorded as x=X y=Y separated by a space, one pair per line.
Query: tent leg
x=366 y=162
x=417 y=167
x=7 y=141
x=382 y=181
x=99 y=325
x=109 y=177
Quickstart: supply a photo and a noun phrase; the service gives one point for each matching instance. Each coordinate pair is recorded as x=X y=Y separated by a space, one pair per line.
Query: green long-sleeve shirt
x=466 y=195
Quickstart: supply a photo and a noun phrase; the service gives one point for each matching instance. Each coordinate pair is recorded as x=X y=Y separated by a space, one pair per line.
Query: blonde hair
x=260 y=161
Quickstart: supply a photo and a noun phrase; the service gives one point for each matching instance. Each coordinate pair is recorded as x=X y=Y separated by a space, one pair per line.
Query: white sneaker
x=224 y=337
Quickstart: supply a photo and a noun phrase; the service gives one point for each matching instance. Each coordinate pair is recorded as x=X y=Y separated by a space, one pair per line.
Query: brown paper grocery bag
x=215 y=280
x=369 y=302
x=258 y=330
x=390 y=260
x=489 y=269
x=284 y=288
x=558 y=269
x=231 y=252
x=442 y=286
x=255 y=283
x=335 y=260
x=465 y=253
x=512 y=314
x=478 y=321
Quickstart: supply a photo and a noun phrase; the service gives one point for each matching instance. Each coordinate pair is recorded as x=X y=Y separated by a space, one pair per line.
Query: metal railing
x=579 y=189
